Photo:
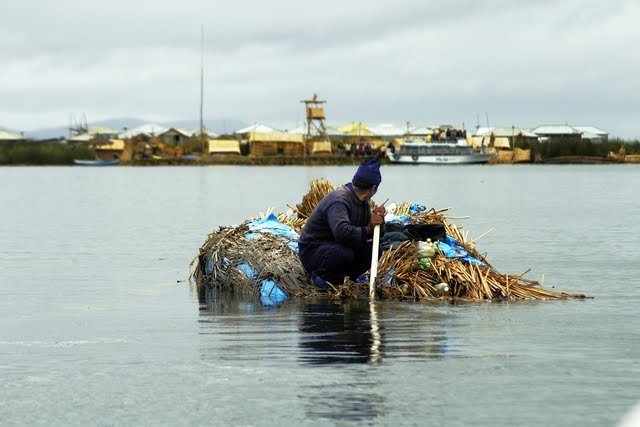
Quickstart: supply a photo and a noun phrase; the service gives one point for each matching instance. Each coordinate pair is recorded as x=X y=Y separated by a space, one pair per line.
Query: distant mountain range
x=219 y=126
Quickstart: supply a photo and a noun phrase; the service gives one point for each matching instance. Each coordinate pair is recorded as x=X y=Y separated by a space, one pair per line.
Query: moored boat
x=419 y=151
x=112 y=162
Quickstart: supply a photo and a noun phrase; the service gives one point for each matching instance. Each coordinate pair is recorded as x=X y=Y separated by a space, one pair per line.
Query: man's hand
x=376 y=219
x=381 y=210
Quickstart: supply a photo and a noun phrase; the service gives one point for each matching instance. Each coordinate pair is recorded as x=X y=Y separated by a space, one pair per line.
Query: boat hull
x=95 y=162
x=440 y=159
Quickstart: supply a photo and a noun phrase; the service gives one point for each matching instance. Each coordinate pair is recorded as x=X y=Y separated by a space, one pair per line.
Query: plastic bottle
x=442 y=288
x=425 y=263
x=426 y=249
x=404 y=288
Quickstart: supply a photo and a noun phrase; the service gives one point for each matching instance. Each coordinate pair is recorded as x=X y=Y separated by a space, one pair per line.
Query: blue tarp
x=402 y=218
x=208 y=266
x=271 y=225
x=452 y=249
x=248 y=270
x=387 y=279
x=271 y=293
x=416 y=208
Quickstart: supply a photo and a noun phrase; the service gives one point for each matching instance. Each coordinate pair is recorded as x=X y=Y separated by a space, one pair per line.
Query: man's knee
x=338 y=255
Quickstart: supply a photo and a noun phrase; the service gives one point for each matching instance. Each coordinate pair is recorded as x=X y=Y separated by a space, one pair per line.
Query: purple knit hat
x=369 y=172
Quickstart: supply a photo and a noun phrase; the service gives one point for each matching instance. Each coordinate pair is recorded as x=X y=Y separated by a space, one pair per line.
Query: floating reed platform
x=243 y=260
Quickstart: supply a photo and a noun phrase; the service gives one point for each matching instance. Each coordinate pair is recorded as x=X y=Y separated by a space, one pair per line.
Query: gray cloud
x=388 y=61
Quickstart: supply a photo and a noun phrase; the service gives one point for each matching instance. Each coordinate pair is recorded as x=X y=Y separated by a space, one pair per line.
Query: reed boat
x=260 y=258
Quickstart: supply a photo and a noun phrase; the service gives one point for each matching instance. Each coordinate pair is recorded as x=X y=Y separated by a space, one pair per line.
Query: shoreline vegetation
x=37 y=153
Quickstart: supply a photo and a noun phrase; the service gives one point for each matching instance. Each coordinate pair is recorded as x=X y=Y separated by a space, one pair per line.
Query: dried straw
x=400 y=275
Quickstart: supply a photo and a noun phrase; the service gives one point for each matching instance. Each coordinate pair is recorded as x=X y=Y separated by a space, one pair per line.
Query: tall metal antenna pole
x=202 y=139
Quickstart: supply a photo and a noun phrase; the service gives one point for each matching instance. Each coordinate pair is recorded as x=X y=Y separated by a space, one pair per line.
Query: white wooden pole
x=375 y=333
x=374 y=262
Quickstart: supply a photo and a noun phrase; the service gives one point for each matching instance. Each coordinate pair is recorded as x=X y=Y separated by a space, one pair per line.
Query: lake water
x=99 y=327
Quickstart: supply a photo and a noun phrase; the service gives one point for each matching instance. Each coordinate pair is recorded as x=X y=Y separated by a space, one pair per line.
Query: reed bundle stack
x=230 y=260
x=402 y=274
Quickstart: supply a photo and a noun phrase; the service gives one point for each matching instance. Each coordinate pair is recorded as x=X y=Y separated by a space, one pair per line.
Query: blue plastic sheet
x=452 y=249
x=416 y=208
x=271 y=225
x=271 y=293
x=248 y=270
x=208 y=266
x=387 y=279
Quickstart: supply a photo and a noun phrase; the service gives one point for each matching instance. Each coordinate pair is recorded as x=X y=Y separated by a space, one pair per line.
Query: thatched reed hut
x=276 y=143
x=224 y=146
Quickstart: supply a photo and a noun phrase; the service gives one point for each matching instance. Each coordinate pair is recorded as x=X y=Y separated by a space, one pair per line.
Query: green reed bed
x=42 y=153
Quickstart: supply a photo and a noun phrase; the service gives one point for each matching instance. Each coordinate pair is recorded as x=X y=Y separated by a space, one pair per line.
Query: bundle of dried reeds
x=319 y=188
x=465 y=281
x=293 y=221
x=409 y=279
x=400 y=275
x=269 y=256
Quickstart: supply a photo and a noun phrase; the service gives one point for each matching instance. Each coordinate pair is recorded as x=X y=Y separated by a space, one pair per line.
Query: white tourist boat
x=413 y=151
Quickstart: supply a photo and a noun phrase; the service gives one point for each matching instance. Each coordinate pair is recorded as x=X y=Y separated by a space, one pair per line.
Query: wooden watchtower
x=316 y=128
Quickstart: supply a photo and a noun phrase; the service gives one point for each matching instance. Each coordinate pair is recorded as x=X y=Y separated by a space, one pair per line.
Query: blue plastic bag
x=452 y=249
x=271 y=293
x=271 y=225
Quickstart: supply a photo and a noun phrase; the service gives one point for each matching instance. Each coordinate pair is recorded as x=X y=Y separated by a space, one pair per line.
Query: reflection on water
x=336 y=332
x=345 y=342
x=417 y=331
x=221 y=301
x=316 y=333
x=329 y=332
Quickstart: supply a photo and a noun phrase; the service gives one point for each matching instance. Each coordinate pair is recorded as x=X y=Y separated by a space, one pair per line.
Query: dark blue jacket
x=340 y=217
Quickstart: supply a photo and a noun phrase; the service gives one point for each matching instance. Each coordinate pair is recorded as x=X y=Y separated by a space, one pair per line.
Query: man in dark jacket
x=334 y=242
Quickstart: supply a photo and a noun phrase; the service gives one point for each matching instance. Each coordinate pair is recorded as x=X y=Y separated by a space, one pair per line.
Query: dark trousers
x=333 y=261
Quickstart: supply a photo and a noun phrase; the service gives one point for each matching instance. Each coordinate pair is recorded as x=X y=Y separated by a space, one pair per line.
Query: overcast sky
x=522 y=63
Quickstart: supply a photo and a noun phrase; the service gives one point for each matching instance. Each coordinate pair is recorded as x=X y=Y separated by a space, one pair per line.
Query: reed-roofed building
x=254 y=128
x=175 y=136
x=107 y=148
x=388 y=131
x=147 y=131
x=506 y=137
x=593 y=133
x=489 y=141
x=92 y=133
x=224 y=146
x=556 y=133
x=355 y=129
x=567 y=132
x=319 y=147
x=276 y=143
x=510 y=144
